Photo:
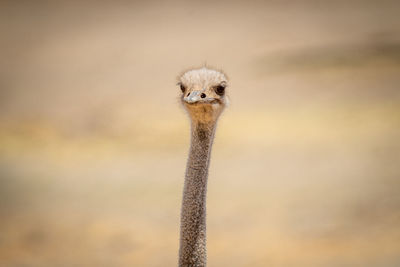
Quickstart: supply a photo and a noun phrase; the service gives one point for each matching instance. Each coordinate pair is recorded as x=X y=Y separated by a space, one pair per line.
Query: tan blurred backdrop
x=93 y=142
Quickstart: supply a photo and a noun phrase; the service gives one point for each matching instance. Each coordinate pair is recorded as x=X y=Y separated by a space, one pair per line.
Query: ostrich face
x=203 y=93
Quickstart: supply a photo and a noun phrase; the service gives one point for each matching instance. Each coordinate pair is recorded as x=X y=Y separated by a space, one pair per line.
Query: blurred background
x=93 y=141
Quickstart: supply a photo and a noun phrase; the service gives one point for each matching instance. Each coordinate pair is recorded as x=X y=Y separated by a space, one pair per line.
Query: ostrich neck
x=192 y=250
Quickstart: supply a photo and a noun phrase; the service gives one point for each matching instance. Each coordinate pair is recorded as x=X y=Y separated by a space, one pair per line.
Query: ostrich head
x=203 y=94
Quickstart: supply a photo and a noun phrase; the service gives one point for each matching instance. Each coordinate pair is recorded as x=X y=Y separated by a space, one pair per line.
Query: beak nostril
x=188 y=94
x=203 y=95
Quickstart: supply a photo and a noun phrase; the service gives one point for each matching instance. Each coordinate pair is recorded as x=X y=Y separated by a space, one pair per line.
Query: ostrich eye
x=220 y=90
x=183 y=88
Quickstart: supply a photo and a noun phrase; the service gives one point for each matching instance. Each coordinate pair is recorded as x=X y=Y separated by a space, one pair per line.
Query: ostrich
x=203 y=96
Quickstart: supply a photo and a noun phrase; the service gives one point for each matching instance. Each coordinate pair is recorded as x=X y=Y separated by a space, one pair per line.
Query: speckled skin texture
x=204 y=114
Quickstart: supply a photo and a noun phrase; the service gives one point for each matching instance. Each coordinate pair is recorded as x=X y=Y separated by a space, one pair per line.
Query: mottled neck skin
x=192 y=250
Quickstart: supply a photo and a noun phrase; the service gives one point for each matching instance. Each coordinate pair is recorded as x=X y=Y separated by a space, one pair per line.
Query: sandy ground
x=93 y=143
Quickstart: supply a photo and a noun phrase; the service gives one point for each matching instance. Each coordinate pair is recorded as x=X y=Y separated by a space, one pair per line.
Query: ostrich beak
x=193 y=97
